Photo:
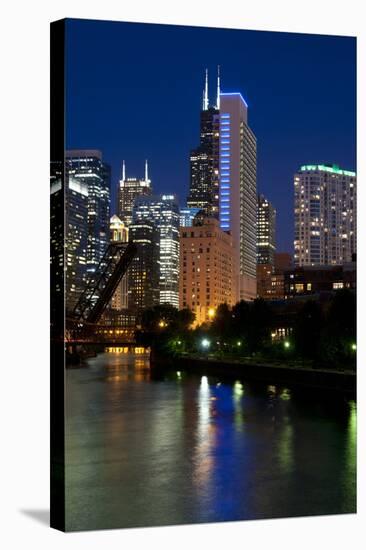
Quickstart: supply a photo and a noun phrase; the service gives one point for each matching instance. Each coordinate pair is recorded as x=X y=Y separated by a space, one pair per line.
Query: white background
x=24 y=218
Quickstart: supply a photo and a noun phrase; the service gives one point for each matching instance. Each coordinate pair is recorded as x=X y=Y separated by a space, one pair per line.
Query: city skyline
x=295 y=122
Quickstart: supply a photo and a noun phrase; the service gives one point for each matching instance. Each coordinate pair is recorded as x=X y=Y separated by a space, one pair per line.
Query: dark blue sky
x=135 y=90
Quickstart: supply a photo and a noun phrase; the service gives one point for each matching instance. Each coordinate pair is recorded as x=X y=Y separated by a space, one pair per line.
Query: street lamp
x=286 y=344
x=162 y=324
x=353 y=347
x=205 y=343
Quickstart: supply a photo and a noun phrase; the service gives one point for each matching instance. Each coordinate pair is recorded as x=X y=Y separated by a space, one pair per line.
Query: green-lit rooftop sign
x=334 y=169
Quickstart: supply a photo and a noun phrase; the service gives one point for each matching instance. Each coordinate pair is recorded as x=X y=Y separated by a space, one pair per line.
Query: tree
x=339 y=335
x=308 y=330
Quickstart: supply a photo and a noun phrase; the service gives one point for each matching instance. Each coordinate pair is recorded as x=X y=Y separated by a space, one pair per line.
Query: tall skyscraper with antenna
x=204 y=160
x=128 y=190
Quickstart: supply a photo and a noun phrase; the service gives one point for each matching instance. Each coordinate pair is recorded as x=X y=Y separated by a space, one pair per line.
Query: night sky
x=134 y=91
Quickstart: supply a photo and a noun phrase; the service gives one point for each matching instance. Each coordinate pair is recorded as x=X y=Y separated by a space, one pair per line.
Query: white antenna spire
x=123 y=171
x=218 y=88
x=205 y=93
x=146 y=171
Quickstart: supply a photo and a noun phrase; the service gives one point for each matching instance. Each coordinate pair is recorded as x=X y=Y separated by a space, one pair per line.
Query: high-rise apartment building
x=204 y=160
x=163 y=211
x=88 y=168
x=69 y=250
x=129 y=189
x=266 y=231
x=207 y=275
x=119 y=232
x=143 y=273
x=238 y=188
x=325 y=215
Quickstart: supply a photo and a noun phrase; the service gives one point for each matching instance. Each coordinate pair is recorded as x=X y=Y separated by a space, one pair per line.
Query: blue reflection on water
x=158 y=450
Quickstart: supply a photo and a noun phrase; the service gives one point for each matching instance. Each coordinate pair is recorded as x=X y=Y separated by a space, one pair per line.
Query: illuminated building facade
x=119 y=232
x=163 y=211
x=204 y=160
x=266 y=245
x=238 y=188
x=72 y=253
x=266 y=231
x=207 y=275
x=87 y=168
x=129 y=189
x=186 y=216
x=264 y=281
x=325 y=215
x=322 y=278
x=143 y=273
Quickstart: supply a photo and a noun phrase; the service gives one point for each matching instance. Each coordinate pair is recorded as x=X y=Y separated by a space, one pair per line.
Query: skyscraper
x=129 y=189
x=325 y=215
x=119 y=232
x=204 y=160
x=238 y=188
x=87 y=168
x=266 y=231
x=72 y=253
x=143 y=274
x=163 y=211
x=207 y=274
x=186 y=216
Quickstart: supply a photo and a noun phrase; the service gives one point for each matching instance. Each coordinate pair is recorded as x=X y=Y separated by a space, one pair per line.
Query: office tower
x=186 y=216
x=163 y=210
x=143 y=274
x=266 y=231
x=238 y=188
x=129 y=189
x=71 y=253
x=266 y=244
x=204 y=160
x=88 y=168
x=207 y=275
x=119 y=232
x=325 y=215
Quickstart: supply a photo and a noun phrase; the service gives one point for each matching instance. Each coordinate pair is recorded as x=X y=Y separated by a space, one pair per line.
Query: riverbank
x=343 y=381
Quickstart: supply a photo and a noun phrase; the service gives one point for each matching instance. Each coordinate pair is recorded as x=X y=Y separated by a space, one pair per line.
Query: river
x=146 y=450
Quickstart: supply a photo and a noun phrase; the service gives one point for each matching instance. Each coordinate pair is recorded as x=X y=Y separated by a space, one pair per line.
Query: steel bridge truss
x=101 y=286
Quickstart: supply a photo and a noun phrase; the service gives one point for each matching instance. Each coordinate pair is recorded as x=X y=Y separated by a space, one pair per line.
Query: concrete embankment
x=261 y=372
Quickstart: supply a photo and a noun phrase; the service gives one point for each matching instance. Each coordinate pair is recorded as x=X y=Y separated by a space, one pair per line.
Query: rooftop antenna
x=218 y=88
x=146 y=172
x=123 y=171
x=205 y=93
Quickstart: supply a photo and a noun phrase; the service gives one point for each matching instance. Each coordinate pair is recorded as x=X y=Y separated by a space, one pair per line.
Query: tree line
x=323 y=334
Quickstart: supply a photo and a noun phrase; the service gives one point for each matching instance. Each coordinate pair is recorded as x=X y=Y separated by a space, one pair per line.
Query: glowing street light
x=353 y=347
x=205 y=343
x=238 y=343
x=211 y=313
x=286 y=344
x=162 y=324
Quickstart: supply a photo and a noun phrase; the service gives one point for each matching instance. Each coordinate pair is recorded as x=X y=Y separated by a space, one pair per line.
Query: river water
x=143 y=450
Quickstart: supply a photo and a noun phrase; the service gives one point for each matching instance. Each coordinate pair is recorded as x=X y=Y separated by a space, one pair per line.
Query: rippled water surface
x=188 y=449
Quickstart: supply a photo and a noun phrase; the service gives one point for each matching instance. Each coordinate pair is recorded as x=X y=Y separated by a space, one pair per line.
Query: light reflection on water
x=156 y=450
